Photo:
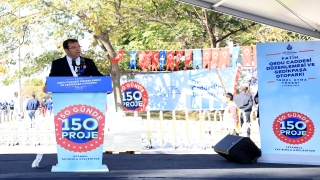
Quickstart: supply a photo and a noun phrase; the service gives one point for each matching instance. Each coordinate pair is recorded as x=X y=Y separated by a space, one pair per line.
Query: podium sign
x=79 y=120
x=289 y=80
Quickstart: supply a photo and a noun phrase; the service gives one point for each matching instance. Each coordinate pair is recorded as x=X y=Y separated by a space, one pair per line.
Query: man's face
x=74 y=50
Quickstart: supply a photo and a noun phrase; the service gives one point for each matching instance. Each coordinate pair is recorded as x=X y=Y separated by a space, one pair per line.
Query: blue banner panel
x=79 y=84
x=179 y=90
x=163 y=55
x=197 y=59
x=133 y=59
x=289 y=102
x=235 y=54
x=79 y=121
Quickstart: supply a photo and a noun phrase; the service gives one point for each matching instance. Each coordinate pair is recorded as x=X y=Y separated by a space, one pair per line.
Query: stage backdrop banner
x=179 y=90
x=289 y=103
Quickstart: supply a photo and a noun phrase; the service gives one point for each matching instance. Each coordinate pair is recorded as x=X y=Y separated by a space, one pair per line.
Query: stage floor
x=159 y=164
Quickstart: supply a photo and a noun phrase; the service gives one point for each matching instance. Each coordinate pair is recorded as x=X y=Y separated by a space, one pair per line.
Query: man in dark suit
x=244 y=102
x=73 y=64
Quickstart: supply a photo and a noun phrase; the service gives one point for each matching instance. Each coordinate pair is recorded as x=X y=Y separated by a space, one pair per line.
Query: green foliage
x=100 y=59
x=264 y=33
x=34 y=82
x=34 y=86
x=127 y=25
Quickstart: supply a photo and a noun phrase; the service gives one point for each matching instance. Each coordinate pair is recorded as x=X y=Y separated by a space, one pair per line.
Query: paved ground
x=158 y=164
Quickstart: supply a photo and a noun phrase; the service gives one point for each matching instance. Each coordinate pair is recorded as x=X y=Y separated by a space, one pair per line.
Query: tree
x=265 y=33
x=113 y=24
x=34 y=86
x=61 y=19
x=216 y=27
x=53 y=21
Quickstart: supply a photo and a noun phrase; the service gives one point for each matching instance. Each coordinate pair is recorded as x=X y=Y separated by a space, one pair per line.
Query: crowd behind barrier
x=161 y=133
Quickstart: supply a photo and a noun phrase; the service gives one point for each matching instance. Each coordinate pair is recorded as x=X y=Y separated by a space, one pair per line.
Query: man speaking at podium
x=70 y=65
x=73 y=64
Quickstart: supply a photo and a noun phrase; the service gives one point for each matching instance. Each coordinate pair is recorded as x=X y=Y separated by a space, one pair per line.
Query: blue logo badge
x=289 y=47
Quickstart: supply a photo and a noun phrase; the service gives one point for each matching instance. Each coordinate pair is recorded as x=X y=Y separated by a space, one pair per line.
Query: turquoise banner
x=179 y=90
x=289 y=106
x=79 y=84
x=79 y=121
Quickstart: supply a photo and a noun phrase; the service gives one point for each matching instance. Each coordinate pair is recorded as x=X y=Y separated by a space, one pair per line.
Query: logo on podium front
x=79 y=128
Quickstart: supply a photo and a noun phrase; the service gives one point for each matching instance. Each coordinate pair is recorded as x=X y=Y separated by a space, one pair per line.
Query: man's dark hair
x=33 y=95
x=230 y=96
x=66 y=43
x=243 y=88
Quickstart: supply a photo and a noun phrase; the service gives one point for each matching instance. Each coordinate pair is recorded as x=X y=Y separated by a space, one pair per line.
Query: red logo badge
x=134 y=96
x=293 y=128
x=79 y=128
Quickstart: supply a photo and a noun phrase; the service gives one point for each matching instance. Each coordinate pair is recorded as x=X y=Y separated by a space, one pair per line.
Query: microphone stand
x=74 y=65
x=82 y=63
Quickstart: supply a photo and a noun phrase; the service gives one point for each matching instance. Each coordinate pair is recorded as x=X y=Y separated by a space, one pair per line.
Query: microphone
x=73 y=62
x=82 y=63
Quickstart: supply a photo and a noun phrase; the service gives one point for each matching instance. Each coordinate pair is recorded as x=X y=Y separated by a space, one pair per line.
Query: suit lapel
x=66 y=67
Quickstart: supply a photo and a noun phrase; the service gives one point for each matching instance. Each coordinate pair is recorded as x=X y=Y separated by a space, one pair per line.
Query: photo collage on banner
x=289 y=79
x=179 y=90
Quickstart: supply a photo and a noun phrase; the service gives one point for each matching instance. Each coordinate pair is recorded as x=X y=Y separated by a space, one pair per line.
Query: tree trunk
x=114 y=71
x=208 y=26
x=219 y=35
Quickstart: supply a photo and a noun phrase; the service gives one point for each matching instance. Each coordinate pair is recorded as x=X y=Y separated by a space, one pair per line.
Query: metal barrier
x=17 y=130
x=203 y=133
x=173 y=133
x=199 y=133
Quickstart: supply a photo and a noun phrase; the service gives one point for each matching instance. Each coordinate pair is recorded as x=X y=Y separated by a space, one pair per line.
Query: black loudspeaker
x=239 y=149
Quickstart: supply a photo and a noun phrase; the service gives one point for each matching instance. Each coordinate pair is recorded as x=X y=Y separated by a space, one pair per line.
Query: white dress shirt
x=71 y=67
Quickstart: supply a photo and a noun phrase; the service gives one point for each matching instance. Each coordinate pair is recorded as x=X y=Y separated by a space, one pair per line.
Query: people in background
x=43 y=107
x=32 y=106
x=49 y=106
x=244 y=103
x=4 y=109
x=230 y=116
x=256 y=100
x=11 y=107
